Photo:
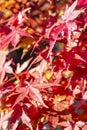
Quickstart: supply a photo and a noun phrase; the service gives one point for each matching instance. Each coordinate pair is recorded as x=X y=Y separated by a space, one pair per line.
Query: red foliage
x=43 y=68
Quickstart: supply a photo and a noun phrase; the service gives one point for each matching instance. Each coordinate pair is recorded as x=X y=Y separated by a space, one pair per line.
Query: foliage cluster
x=43 y=66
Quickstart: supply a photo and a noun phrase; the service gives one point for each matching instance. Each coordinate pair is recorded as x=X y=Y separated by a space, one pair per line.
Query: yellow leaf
x=61 y=13
x=59 y=98
x=30 y=30
x=48 y=74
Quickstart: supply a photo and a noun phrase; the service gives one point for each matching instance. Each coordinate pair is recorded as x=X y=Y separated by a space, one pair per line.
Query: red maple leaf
x=13 y=37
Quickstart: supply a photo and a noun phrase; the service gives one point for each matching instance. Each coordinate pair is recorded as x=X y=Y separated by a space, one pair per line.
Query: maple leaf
x=22 y=92
x=34 y=94
x=15 y=125
x=76 y=90
x=64 y=123
x=67 y=22
x=72 y=125
x=70 y=13
x=22 y=67
x=15 y=117
x=26 y=120
x=6 y=68
x=82 y=3
x=21 y=15
x=33 y=112
x=71 y=26
x=26 y=91
x=13 y=37
x=4 y=119
x=38 y=71
x=20 y=18
x=82 y=101
x=54 y=35
x=79 y=58
x=80 y=124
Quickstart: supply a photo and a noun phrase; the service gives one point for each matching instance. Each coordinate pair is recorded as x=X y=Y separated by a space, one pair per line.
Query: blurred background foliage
x=39 y=7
